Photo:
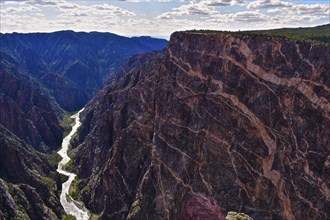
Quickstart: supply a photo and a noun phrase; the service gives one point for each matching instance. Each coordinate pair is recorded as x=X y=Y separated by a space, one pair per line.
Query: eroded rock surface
x=27 y=111
x=239 y=123
x=28 y=183
x=237 y=216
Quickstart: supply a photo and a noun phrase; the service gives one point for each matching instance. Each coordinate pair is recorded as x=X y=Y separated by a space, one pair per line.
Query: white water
x=71 y=207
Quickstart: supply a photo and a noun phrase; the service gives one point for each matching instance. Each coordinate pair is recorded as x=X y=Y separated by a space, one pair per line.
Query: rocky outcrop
x=237 y=216
x=28 y=125
x=219 y=123
x=66 y=93
x=26 y=111
x=28 y=184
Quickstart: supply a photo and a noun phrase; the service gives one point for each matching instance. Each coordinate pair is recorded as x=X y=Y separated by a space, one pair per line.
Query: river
x=70 y=206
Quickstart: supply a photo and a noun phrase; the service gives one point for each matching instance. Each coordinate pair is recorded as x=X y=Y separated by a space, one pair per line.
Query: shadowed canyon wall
x=42 y=75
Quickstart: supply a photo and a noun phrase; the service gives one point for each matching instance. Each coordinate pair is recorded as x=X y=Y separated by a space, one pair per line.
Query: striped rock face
x=218 y=123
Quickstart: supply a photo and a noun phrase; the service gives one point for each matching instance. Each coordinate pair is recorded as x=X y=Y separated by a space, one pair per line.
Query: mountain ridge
x=73 y=65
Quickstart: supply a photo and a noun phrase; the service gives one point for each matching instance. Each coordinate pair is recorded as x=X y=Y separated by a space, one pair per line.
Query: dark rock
x=28 y=113
x=28 y=187
x=73 y=65
x=238 y=122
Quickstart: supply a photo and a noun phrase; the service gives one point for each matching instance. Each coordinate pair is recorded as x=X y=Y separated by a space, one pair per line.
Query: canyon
x=220 y=122
x=213 y=123
x=70 y=206
x=43 y=78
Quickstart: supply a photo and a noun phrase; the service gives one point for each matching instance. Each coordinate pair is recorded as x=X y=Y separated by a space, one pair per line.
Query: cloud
x=126 y=19
x=193 y=8
x=19 y=9
x=97 y=10
x=261 y=4
x=44 y=2
x=199 y=7
x=249 y=16
x=224 y=2
x=67 y=5
x=314 y=9
x=241 y=17
x=51 y=15
x=75 y=14
x=112 y=9
x=154 y=0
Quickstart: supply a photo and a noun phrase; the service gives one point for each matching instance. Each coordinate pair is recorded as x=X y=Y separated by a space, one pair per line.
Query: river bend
x=70 y=206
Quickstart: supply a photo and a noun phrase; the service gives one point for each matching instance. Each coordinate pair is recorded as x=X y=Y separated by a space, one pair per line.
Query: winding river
x=70 y=206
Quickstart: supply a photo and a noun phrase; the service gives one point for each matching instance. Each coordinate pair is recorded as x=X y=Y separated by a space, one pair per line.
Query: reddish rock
x=241 y=120
x=200 y=207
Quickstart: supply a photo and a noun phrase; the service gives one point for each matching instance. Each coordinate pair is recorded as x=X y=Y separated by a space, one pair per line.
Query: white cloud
x=193 y=8
x=249 y=16
x=97 y=10
x=260 y=4
x=154 y=0
x=314 y=9
x=224 y=2
x=52 y=15
x=242 y=17
x=19 y=9
x=112 y=10
x=199 y=7
x=67 y=5
x=44 y=2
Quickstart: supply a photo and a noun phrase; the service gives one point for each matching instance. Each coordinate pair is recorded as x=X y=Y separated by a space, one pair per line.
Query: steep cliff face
x=26 y=110
x=40 y=76
x=28 y=125
x=219 y=123
x=28 y=183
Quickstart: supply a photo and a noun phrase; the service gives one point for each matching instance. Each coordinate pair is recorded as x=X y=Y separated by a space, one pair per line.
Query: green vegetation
x=318 y=34
x=68 y=217
x=49 y=182
x=53 y=158
x=66 y=123
x=73 y=191
x=68 y=167
x=22 y=204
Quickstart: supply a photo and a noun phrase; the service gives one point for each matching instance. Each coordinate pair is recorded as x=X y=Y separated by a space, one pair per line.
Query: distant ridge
x=72 y=66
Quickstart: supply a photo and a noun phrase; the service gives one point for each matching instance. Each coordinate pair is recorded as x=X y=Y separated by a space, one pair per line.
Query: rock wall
x=219 y=123
x=28 y=183
x=27 y=112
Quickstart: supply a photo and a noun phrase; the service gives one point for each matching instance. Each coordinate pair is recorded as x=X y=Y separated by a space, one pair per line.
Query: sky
x=159 y=18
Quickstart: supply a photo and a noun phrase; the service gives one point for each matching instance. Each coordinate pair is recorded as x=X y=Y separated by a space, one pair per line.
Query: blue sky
x=159 y=17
